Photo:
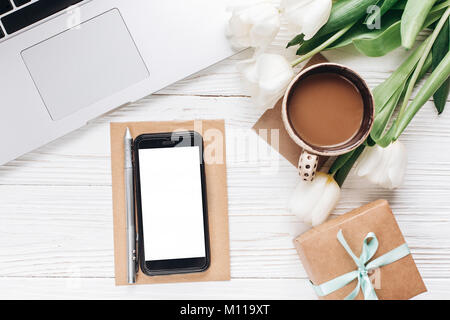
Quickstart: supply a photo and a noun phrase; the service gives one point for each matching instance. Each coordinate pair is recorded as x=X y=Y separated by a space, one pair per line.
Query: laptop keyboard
x=19 y=14
x=5 y=6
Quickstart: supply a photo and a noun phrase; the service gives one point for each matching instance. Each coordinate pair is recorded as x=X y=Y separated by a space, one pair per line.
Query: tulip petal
x=312 y=202
x=274 y=73
x=314 y=197
x=254 y=24
x=306 y=16
x=368 y=160
x=268 y=76
x=318 y=14
x=328 y=201
x=265 y=26
x=397 y=168
x=304 y=197
x=385 y=167
x=381 y=171
x=248 y=70
x=293 y=11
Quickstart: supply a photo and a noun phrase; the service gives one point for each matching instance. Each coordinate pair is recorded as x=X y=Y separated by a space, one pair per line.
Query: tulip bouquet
x=374 y=28
x=255 y=24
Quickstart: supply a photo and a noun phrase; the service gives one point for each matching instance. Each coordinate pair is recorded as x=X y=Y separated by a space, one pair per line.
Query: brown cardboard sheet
x=216 y=181
x=271 y=120
x=324 y=258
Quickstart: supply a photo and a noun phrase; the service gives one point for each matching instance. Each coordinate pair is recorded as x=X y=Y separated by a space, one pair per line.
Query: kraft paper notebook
x=271 y=119
x=213 y=132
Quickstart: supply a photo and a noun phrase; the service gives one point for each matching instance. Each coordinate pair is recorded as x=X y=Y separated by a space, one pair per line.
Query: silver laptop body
x=64 y=62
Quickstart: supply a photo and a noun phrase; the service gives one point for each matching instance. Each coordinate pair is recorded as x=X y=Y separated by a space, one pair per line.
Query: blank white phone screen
x=172 y=206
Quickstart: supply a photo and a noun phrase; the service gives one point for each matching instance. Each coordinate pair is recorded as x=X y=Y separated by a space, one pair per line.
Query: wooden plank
x=83 y=288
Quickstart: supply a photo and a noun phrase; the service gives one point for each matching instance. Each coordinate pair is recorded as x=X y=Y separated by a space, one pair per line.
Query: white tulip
x=312 y=202
x=268 y=76
x=254 y=24
x=306 y=16
x=383 y=166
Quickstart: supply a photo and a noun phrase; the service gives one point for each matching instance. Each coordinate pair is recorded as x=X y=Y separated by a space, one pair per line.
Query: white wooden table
x=56 y=207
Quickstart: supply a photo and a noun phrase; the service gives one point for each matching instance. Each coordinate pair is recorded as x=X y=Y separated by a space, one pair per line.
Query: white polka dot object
x=307 y=166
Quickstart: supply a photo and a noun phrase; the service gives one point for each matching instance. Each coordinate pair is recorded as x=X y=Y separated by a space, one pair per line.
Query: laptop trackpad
x=85 y=64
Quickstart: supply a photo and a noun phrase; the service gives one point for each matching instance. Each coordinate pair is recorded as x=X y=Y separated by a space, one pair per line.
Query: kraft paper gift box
x=325 y=257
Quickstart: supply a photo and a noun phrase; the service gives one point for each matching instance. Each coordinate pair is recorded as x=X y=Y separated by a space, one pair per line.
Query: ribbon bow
x=370 y=247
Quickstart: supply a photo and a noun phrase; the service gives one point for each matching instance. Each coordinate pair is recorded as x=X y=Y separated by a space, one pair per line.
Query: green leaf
x=425 y=56
x=361 y=31
x=437 y=79
x=385 y=114
x=382 y=41
x=374 y=42
x=379 y=42
x=345 y=169
x=433 y=83
x=322 y=46
x=384 y=92
x=296 y=41
x=370 y=142
x=344 y=13
x=387 y=139
x=414 y=16
x=380 y=45
x=384 y=7
x=311 y=44
x=400 y=5
x=340 y=162
x=440 y=49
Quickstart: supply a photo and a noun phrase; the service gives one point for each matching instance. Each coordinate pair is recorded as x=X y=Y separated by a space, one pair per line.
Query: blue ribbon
x=370 y=247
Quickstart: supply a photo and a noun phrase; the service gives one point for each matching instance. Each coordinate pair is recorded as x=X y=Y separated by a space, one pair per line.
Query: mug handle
x=307 y=165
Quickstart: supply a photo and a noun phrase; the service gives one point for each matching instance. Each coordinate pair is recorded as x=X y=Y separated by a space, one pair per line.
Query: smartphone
x=171 y=203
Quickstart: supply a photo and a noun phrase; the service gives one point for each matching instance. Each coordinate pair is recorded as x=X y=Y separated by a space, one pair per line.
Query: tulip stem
x=322 y=47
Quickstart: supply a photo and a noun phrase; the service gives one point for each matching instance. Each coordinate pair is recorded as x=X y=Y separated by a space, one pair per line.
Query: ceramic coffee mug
x=309 y=158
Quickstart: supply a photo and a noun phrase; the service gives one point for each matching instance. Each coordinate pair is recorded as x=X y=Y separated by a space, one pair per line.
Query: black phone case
x=166 y=141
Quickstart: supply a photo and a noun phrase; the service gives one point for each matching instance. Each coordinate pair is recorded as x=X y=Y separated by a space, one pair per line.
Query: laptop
x=64 y=62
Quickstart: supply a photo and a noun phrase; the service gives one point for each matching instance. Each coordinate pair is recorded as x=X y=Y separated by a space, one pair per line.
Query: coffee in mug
x=327 y=110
